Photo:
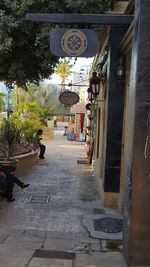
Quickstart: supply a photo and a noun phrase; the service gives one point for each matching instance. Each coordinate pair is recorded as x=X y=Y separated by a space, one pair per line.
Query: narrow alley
x=45 y=225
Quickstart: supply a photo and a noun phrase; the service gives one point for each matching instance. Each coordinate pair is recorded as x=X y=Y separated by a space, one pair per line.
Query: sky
x=84 y=63
x=2 y=87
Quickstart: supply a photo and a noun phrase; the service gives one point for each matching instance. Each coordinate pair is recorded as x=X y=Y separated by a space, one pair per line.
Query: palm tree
x=47 y=95
x=19 y=95
x=64 y=71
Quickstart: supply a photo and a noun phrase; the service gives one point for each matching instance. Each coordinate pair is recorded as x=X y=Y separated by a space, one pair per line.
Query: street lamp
x=121 y=69
x=95 y=84
x=89 y=91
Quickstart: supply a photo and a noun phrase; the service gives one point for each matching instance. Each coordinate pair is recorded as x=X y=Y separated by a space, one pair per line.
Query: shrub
x=27 y=126
x=9 y=138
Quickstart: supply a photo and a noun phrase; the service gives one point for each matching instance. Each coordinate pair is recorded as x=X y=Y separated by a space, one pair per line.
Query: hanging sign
x=73 y=42
x=69 y=98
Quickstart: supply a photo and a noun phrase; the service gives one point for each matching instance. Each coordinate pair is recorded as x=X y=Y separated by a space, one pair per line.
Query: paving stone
x=107 y=260
x=16 y=243
x=14 y=251
x=3 y=237
x=60 y=235
x=99 y=260
x=33 y=236
x=6 y=261
x=17 y=259
x=95 y=247
x=88 y=240
x=59 y=244
x=38 y=262
x=26 y=227
x=81 y=260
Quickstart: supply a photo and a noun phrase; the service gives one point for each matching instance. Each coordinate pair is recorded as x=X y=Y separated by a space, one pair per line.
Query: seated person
x=7 y=180
x=37 y=142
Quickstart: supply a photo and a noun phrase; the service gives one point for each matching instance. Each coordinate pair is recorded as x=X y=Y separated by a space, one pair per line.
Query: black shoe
x=10 y=199
x=24 y=186
x=41 y=157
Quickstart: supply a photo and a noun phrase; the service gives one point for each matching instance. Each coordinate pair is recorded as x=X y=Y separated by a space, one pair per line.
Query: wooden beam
x=103 y=19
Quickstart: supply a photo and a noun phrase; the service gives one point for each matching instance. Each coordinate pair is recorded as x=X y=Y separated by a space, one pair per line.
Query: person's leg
x=9 y=191
x=42 y=151
x=14 y=179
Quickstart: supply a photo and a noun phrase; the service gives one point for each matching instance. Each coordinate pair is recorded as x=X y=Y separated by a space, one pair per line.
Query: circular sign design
x=74 y=42
x=69 y=98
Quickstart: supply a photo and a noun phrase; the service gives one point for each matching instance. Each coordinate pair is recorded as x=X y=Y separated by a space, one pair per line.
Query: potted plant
x=9 y=138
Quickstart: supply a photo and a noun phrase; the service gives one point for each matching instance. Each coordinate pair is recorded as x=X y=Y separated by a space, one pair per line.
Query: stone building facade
x=122 y=144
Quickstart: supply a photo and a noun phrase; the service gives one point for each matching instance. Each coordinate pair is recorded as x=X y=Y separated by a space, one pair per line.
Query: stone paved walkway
x=47 y=216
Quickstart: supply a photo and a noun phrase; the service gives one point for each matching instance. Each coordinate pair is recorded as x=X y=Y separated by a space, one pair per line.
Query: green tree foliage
x=18 y=95
x=45 y=96
x=2 y=102
x=9 y=138
x=90 y=6
x=26 y=126
x=33 y=110
x=29 y=117
x=24 y=45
